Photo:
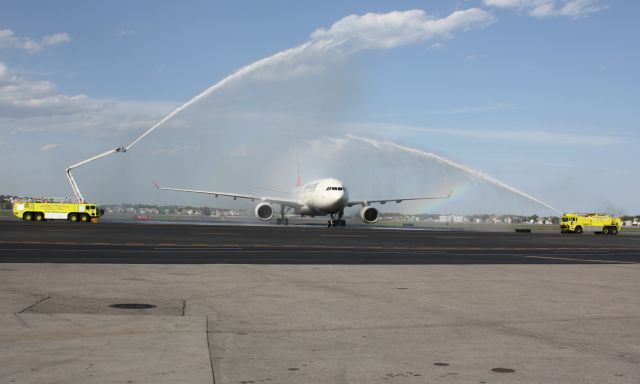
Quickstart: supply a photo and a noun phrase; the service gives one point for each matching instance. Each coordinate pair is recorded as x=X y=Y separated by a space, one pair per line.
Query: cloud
x=551 y=8
x=25 y=97
x=8 y=39
x=387 y=30
x=475 y=56
x=347 y=36
x=48 y=147
x=355 y=33
x=121 y=33
x=29 y=105
x=57 y=38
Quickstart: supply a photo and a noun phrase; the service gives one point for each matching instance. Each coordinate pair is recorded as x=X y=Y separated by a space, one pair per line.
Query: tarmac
x=308 y=304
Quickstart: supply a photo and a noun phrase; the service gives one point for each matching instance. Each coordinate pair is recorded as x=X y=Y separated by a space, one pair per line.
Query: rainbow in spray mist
x=467 y=170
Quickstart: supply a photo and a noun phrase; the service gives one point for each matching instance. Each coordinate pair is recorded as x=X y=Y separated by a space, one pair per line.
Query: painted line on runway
x=204 y=250
x=581 y=251
x=223 y=249
x=126 y=250
x=215 y=233
x=199 y=249
x=347 y=247
x=336 y=235
x=583 y=260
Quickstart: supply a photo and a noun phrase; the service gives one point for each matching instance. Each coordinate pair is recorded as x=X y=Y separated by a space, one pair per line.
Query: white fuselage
x=322 y=197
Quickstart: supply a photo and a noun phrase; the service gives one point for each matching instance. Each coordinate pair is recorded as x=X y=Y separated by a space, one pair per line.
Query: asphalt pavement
x=181 y=303
x=61 y=242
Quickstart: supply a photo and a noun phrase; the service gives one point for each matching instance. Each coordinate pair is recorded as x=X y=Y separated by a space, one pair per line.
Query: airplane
x=317 y=198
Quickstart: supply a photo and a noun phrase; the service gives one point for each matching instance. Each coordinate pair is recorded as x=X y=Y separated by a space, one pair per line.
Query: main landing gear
x=339 y=222
x=283 y=220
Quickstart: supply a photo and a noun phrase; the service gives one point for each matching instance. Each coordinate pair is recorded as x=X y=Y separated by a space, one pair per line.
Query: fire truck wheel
x=39 y=216
x=614 y=231
x=73 y=217
x=578 y=229
x=84 y=218
x=606 y=230
x=28 y=216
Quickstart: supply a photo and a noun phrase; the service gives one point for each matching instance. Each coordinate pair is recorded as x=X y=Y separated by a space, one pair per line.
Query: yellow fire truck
x=50 y=210
x=596 y=222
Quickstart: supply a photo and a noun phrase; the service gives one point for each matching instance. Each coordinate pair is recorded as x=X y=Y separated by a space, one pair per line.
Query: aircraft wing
x=384 y=201
x=287 y=202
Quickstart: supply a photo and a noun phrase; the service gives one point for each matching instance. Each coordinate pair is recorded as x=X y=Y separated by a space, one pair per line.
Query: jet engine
x=264 y=211
x=369 y=215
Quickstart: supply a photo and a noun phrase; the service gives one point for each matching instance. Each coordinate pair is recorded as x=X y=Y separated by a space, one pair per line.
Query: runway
x=269 y=304
x=134 y=243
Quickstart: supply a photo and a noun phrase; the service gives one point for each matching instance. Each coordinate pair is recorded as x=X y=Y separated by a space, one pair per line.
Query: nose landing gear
x=339 y=222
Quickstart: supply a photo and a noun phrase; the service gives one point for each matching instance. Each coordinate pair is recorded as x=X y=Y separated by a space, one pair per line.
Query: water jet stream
x=242 y=72
x=465 y=169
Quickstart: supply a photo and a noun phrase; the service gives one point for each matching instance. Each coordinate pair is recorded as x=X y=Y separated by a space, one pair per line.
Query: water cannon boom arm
x=74 y=186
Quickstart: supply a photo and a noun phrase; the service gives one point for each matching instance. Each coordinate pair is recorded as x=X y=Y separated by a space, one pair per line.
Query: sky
x=396 y=98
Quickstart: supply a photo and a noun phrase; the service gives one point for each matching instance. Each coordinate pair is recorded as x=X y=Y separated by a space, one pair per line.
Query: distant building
x=445 y=219
x=453 y=219
x=460 y=219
